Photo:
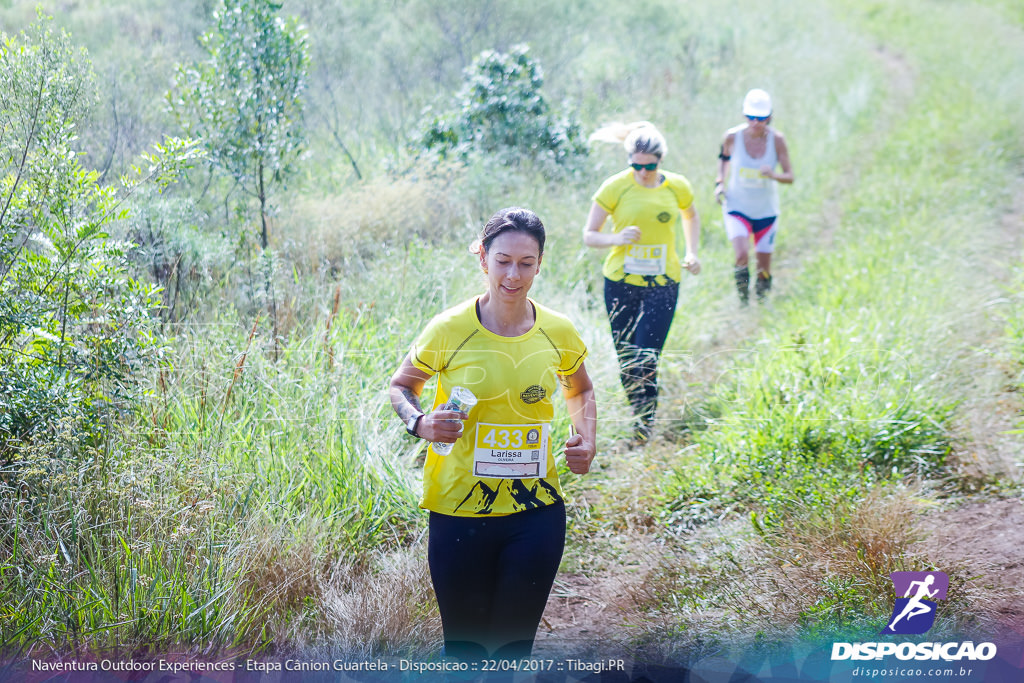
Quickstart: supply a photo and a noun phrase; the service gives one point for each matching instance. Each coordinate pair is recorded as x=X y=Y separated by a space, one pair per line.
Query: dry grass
x=279 y=571
x=353 y=607
x=367 y=221
x=869 y=538
x=729 y=584
x=387 y=607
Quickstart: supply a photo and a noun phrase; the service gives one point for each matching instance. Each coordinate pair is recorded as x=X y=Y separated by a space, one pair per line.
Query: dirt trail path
x=596 y=610
x=981 y=534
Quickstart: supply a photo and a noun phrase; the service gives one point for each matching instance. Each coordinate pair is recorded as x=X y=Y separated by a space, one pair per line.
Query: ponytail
x=639 y=137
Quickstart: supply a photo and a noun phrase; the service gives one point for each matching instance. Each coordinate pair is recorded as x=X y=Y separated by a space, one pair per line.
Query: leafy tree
x=500 y=111
x=245 y=100
x=73 y=328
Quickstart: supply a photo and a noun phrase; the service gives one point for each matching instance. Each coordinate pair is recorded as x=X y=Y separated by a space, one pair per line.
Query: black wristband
x=411 y=425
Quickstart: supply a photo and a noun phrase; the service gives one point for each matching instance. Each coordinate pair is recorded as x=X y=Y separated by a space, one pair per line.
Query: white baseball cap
x=757 y=103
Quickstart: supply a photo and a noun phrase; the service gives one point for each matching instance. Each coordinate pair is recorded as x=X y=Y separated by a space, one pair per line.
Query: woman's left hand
x=579 y=453
x=720 y=193
x=692 y=264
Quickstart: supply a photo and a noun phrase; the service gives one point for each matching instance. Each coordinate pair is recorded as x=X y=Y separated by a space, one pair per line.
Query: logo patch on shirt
x=533 y=394
x=664 y=216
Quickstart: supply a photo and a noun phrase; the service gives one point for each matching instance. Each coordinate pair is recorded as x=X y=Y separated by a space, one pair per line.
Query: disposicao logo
x=914 y=614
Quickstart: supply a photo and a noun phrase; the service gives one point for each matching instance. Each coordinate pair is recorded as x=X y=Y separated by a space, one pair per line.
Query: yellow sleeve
x=608 y=195
x=426 y=352
x=571 y=347
x=683 y=191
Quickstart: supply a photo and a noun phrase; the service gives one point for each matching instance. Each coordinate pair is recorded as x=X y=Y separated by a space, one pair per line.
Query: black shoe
x=641 y=435
x=742 y=275
x=763 y=286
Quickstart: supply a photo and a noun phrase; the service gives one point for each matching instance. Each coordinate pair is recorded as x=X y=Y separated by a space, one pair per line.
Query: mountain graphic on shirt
x=536 y=494
x=526 y=496
x=480 y=498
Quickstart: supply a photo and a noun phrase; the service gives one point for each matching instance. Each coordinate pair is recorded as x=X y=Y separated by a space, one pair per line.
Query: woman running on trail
x=647 y=206
x=497 y=517
x=746 y=188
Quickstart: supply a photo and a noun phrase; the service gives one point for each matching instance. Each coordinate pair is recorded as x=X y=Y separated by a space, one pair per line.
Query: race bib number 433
x=507 y=451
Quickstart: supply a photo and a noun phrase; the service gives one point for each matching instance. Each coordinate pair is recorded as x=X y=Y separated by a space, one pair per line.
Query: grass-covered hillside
x=197 y=452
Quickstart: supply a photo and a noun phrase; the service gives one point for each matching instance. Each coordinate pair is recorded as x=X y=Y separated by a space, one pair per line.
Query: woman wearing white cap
x=745 y=186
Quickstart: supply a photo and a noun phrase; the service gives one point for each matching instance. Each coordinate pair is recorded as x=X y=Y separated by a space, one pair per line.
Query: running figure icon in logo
x=914 y=612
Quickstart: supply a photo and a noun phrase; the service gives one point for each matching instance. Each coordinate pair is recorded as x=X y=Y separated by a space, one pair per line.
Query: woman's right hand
x=441 y=426
x=629 y=235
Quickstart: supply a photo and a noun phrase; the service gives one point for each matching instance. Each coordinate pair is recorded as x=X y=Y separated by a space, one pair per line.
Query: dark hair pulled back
x=513 y=218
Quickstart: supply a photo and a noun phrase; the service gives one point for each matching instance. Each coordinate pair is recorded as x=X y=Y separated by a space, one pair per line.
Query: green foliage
x=1015 y=322
x=812 y=423
x=176 y=250
x=73 y=325
x=500 y=111
x=845 y=607
x=245 y=100
x=115 y=549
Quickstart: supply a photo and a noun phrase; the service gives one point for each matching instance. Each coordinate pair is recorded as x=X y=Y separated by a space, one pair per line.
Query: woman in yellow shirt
x=647 y=205
x=497 y=518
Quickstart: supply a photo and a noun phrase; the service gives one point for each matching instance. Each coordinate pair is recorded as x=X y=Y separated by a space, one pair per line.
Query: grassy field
x=263 y=499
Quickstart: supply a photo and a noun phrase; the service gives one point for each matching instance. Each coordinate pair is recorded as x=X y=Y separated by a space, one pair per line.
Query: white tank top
x=748 y=192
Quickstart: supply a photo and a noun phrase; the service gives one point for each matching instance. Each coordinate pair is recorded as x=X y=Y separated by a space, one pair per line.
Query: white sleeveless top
x=748 y=192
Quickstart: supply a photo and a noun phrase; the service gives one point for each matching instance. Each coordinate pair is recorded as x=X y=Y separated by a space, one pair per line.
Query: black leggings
x=492 y=576
x=640 y=319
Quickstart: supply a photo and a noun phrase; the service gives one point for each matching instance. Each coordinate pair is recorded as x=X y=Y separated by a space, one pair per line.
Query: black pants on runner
x=640 y=319
x=492 y=576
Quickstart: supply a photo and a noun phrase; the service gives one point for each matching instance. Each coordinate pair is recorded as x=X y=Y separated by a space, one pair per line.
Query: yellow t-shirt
x=503 y=462
x=656 y=211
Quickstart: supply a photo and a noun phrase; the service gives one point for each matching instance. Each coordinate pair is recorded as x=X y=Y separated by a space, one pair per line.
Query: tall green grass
x=118 y=552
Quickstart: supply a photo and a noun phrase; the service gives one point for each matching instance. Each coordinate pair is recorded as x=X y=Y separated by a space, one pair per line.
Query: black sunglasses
x=645 y=167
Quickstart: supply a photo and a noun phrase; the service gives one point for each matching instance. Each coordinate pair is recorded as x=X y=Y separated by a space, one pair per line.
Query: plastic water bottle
x=461 y=399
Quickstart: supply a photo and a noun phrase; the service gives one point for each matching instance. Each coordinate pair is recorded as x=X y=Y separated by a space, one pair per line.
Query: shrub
x=500 y=111
x=73 y=324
